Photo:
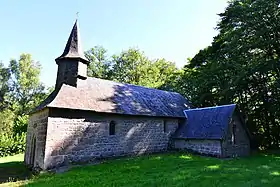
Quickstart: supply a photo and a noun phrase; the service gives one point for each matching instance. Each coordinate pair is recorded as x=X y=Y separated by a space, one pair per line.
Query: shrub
x=20 y=124
x=12 y=144
x=7 y=118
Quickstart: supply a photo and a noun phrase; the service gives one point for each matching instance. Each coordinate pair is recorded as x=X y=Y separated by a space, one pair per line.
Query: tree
x=99 y=66
x=129 y=66
x=4 y=86
x=134 y=67
x=26 y=90
x=167 y=75
x=242 y=66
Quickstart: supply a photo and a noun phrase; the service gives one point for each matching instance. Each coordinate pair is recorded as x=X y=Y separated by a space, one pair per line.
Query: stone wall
x=85 y=136
x=241 y=146
x=36 y=139
x=209 y=147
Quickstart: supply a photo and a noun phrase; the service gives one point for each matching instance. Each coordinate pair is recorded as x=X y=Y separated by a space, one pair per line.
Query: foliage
x=20 y=92
x=20 y=124
x=131 y=66
x=6 y=121
x=242 y=66
x=12 y=144
x=99 y=66
x=4 y=86
x=27 y=90
x=176 y=169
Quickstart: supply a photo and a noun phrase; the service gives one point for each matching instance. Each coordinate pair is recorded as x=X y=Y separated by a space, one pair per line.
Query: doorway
x=32 y=151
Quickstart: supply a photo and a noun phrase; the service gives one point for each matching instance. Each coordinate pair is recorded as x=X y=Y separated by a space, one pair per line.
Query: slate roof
x=100 y=95
x=73 y=48
x=206 y=123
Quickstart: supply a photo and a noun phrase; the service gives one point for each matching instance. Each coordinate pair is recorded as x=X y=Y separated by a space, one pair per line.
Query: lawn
x=172 y=169
x=12 y=169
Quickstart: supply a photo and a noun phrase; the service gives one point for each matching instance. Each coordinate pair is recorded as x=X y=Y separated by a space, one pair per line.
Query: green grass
x=12 y=169
x=176 y=169
x=15 y=158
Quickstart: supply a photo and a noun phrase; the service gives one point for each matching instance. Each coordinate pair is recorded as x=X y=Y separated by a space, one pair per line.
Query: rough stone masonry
x=87 y=118
x=81 y=139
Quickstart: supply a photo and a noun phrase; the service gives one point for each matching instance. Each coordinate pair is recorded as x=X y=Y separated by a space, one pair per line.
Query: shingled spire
x=72 y=64
x=73 y=48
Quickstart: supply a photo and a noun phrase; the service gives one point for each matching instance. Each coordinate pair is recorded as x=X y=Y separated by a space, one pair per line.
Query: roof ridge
x=135 y=85
x=211 y=107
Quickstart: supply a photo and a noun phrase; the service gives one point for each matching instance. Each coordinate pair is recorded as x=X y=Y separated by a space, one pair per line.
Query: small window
x=164 y=126
x=233 y=135
x=112 y=128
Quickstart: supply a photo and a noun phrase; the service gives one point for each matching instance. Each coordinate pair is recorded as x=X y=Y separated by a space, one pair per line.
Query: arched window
x=112 y=128
x=164 y=126
x=233 y=135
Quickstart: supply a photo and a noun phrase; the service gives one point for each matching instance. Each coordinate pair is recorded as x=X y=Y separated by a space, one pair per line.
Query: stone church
x=87 y=118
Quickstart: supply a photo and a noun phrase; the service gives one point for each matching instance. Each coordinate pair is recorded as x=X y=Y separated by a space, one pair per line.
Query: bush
x=7 y=118
x=12 y=144
x=20 y=124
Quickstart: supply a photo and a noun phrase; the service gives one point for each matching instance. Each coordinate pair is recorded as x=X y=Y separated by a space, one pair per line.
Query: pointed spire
x=73 y=48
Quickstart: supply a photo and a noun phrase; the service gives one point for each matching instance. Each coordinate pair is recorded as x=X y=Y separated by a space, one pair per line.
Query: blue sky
x=174 y=30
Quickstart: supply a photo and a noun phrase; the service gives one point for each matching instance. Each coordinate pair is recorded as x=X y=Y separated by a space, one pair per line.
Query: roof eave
x=185 y=138
x=79 y=58
x=116 y=113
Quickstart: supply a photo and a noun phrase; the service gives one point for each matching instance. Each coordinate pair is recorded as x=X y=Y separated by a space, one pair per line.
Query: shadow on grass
x=174 y=169
x=13 y=171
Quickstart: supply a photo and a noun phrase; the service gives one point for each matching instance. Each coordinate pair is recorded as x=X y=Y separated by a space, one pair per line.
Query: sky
x=170 y=29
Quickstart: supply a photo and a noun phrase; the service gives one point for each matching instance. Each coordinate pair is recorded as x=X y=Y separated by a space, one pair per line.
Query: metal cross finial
x=77 y=15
